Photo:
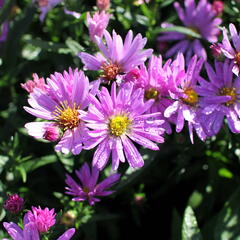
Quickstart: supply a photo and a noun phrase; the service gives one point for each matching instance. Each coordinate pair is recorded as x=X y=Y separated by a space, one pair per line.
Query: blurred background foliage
x=184 y=191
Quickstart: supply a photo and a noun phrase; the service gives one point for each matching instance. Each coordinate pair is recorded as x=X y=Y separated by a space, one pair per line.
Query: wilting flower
x=119 y=119
x=118 y=58
x=186 y=98
x=232 y=52
x=30 y=231
x=220 y=98
x=44 y=219
x=97 y=24
x=14 y=203
x=103 y=5
x=66 y=95
x=88 y=189
x=46 y=6
x=35 y=83
x=195 y=18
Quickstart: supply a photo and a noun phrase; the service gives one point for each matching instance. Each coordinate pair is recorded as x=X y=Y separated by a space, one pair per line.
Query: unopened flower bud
x=14 y=203
x=218 y=6
x=51 y=134
x=217 y=52
x=103 y=4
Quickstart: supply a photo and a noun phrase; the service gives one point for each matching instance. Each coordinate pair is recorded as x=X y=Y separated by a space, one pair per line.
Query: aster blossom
x=232 y=51
x=186 y=104
x=220 y=97
x=35 y=83
x=117 y=119
x=195 y=18
x=117 y=57
x=66 y=94
x=88 y=189
x=30 y=232
x=14 y=203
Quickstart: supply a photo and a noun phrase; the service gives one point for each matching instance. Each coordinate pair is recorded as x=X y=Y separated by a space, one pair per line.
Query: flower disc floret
x=192 y=97
x=110 y=71
x=226 y=91
x=237 y=58
x=151 y=93
x=118 y=125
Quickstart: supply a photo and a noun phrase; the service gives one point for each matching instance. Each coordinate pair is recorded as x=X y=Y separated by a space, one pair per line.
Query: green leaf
x=74 y=46
x=228 y=220
x=190 y=230
x=23 y=173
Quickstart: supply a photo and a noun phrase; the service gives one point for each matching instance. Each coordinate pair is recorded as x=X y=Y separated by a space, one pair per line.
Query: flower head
x=103 y=5
x=218 y=6
x=44 y=219
x=195 y=18
x=35 y=83
x=220 y=98
x=88 y=189
x=217 y=51
x=118 y=57
x=66 y=94
x=97 y=24
x=14 y=203
x=232 y=51
x=117 y=119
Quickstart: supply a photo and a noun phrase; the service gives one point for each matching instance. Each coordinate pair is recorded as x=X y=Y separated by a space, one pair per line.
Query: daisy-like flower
x=220 y=98
x=97 y=24
x=116 y=120
x=117 y=58
x=14 y=203
x=66 y=95
x=88 y=189
x=232 y=51
x=195 y=18
x=45 y=6
x=30 y=231
x=35 y=83
x=186 y=98
x=154 y=81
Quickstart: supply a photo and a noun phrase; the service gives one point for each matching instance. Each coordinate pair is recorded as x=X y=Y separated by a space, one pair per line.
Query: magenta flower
x=66 y=94
x=89 y=189
x=118 y=58
x=218 y=6
x=195 y=18
x=217 y=51
x=35 y=83
x=232 y=51
x=220 y=98
x=97 y=24
x=103 y=5
x=118 y=119
x=186 y=100
x=44 y=219
x=45 y=6
x=14 y=203
x=30 y=231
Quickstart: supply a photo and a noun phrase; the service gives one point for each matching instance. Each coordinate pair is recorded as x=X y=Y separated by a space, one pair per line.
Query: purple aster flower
x=45 y=6
x=35 y=83
x=202 y=20
x=30 y=231
x=117 y=58
x=66 y=94
x=184 y=93
x=14 y=203
x=220 y=97
x=89 y=189
x=232 y=51
x=154 y=81
x=118 y=119
x=97 y=24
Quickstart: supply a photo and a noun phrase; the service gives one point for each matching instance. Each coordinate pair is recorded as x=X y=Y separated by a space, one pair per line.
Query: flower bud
x=218 y=6
x=14 y=203
x=103 y=4
x=51 y=134
x=217 y=52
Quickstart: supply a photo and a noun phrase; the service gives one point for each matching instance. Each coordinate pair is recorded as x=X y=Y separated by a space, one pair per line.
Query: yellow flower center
x=229 y=92
x=151 y=93
x=118 y=125
x=194 y=29
x=237 y=58
x=86 y=190
x=192 y=97
x=67 y=117
x=110 y=71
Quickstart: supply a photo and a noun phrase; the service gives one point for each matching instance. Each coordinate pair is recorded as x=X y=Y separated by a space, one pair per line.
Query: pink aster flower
x=186 y=100
x=14 y=203
x=35 y=83
x=66 y=94
x=97 y=24
x=117 y=119
x=45 y=6
x=220 y=98
x=195 y=18
x=117 y=58
x=218 y=6
x=89 y=189
x=30 y=231
x=44 y=219
x=232 y=51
